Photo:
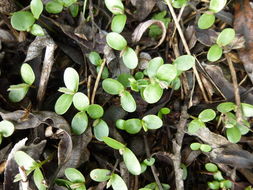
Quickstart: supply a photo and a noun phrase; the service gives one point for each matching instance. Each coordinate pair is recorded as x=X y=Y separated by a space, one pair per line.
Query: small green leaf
x=36 y=8
x=207 y=115
x=115 y=6
x=214 y=185
x=95 y=58
x=184 y=62
x=205 y=148
x=167 y=72
x=163 y=111
x=105 y=72
x=120 y=124
x=118 y=23
x=16 y=95
x=139 y=75
x=233 y=134
x=152 y=93
x=226 y=37
x=153 y=66
x=195 y=146
x=80 y=101
x=218 y=176
x=118 y=183
x=74 y=9
x=101 y=130
x=127 y=101
x=152 y=121
x=179 y=3
x=27 y=73
x=63 y=103
x=38 y=179
x=247 y=109
x=100 y=175
x=6 y=128
x=24 y=160
x=130 y=58
x=22 y=20
x=244 y=127
x=71 y=79
x=143 y=167
x=74 y=175
x=211 y=167
x=116 y=41
x=68 y=3
x=214 y=53
x=206 y=20
x=37 y=30
x=54 y=7
x=226 y=184
x=66 y=91
x=79 y=123
x=132 y=163
x=95 y=111
x=113 y=143
x=124 y=79
x=149 y=162
x=195 y=125
x=217 y=5
x=112 y=86
x=226 y=107
x=132 y=126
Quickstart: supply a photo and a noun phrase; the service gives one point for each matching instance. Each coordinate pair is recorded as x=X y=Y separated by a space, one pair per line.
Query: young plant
x=96 y=60
x=114 y=180
x=114 y=87
x=75 y=180
x=147 y=162
x=133 y=126
x=6 y=129
x=132 y=163
x=56 y=6
x=202 y=147
x=163 y=111
x=18 y=92
x=29 y=165
x=219 y=181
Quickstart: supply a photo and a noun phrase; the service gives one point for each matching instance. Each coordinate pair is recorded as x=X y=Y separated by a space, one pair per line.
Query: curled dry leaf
x=142 y=27
x=206 y=37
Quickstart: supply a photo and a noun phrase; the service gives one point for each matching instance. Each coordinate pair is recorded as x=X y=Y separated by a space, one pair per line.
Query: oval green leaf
x=38 y=179
x=71 y=79
x=130 y=58
x=63 y=103
x=153 y=66
x=247 y=109
x=152 y=122
x=233 y=134
x=195 y=146
x=132 y=163
x=112 y=86
x=217 y=5
x=116 y=41
x=95 y=111
x=118 y=23
x=167 y=72
x=152 y=93
x=54 y=7
x=127 y=101
x=226 y=107
x=184 y=62
x=113 y=143
x=206 y=20
x=132 y=126
x=100 y=175
x=101 y=130
x=74 y=9
x=195 y=125
x=18 y=94
x=80 y=101
x=22 y=20
x=226 y=37
x=205 y=148
x=6 y=128
x=118 y=183
x=207 y=115
x=124 y=79
x=120 y=124
x=79 y=123
x=36 y=8
x=27 y=73
x=214 y=53
x=211 y=167
x=95 y=58
x=74 y=175
x=24 y=160
x=37 y=30
x=115 y=6
x=213 y=185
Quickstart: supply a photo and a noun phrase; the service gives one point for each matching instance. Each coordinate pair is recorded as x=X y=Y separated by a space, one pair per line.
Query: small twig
x=186 y=48
x=97 y=81
x=24 y=181
x=88 y=86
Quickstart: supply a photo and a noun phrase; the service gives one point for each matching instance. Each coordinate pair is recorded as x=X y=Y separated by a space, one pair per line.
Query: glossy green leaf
x=226 y=184
x=38 y=179
x=195 y=146
x=127 y=101
x=63 y=103
x=54 y=7
x=74 y=9
x=6 y=128
x=247 y=109
x=207 y=115
x=130 y=58
x=113 y=143
x=211 y=167
x=195 y=125
x=71 y=79
x=74 y=175
x=218 y=176
x=36 y=8
x=226 y=37
x=132 y=126
x=163 y=111
x=143 y=167
x=217 y=5
x=118 y=183
x=214 y=185
x=205 y=148
x=152 y=93
x=100 y=175
x=206 y=20
x=214 y=53
x=22 y=20
x=149 y=162
x=233 y=134
x=115 y=6
x=79 y=123
x=184 y=62
x=116 y=41
x=118 y=23
x=80 y=101
x=132 y=163
x=152 y=121
x=179 y=3
x=68 y=3
x=95 y=58
x=27 y=73
x=120 y=124
x=226 y=107
x=112 y=86
x=124 y=79
x=37 y=30
x=18 y=94
x=24 y=160
x=167 y=72
x=139 y=75
x=100 y=129
x=95 y=111
x=153 y=66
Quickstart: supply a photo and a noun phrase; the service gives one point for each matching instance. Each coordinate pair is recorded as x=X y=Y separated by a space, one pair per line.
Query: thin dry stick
x=88 y=86
x=97 y=81
x=186 y=48
x=24 y=181
x=236 y=89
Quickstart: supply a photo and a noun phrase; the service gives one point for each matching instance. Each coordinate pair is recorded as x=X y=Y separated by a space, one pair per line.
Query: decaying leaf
x=143 y=8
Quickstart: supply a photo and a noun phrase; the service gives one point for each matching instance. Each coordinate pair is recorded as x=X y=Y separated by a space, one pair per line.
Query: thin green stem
x=84 y=8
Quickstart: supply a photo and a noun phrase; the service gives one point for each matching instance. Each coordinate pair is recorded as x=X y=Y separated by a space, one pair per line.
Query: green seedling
x=114 y=87
x=96 y=60
x=56 y=6
x=6 y=129
x=202 y=147
x=154 y=186
x=29 y=165
x=18 y=92
x=113 y=179
x=115 y=6
x=75 y=180
x=163 y=111
x=146 y=163
x=133 y=126
x=130 y=160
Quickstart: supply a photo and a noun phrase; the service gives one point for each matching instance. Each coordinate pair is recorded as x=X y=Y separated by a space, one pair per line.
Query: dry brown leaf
x=143 y=8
